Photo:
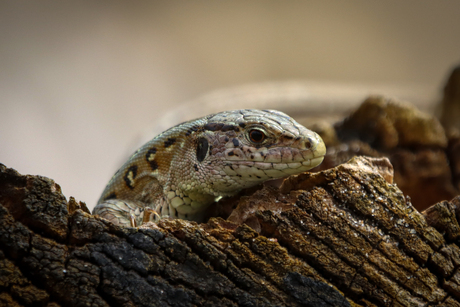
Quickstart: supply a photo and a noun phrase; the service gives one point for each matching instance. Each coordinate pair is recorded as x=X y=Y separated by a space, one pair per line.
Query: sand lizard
x=182 y=171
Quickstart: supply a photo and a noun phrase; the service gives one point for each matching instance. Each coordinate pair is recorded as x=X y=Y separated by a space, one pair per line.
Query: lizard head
x=242 y=148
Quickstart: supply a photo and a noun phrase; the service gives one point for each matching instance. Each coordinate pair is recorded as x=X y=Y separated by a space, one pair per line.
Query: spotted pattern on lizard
x=182 y=171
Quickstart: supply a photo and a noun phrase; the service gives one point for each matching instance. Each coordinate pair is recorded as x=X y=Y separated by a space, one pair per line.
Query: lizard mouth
x=283 y=158
x=260 y=171
x=303 y=151
x=300 y=166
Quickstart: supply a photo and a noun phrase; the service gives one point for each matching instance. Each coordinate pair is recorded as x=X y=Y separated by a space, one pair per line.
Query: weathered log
x=346 y=236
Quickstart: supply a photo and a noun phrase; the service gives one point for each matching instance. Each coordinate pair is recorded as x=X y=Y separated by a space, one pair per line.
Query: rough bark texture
x=341 y=237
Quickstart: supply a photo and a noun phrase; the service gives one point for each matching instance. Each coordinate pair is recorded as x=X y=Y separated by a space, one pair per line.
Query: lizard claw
x=132 y=220
x=150 y=215
x=147 y=215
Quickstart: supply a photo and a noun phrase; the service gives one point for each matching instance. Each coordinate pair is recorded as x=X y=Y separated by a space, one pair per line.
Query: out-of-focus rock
x=453 y=152
x=450 y=104
x=425 y=175
x=389 y=123
x=425 y=163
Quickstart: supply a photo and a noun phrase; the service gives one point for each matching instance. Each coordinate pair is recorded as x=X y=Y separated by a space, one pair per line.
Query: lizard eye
x=256 y=136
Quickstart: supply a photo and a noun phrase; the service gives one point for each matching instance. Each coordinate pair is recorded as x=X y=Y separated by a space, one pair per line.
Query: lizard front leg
x=131 y=213
x=125 y=213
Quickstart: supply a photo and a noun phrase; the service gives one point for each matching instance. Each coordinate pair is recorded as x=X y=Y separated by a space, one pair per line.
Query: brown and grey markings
x=169 y=142
x=153 y=165
x=230 y=128
x=220 y=127
x=151 y=151
x=111 y=196
x=191 y=130
x=150 y=157
x=130 y=175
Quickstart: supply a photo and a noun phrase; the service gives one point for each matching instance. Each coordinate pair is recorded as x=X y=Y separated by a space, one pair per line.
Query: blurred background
x=83 y=84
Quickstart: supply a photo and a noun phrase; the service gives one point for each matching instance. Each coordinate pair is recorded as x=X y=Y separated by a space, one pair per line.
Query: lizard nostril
x=308 y=143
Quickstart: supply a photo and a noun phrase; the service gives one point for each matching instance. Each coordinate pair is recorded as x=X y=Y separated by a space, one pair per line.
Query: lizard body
x=182 y=171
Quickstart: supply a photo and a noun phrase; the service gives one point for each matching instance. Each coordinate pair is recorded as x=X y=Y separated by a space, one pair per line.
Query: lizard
x=182 y=171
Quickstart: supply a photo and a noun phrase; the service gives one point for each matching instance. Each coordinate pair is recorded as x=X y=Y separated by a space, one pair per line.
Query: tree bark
x=346 y=236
